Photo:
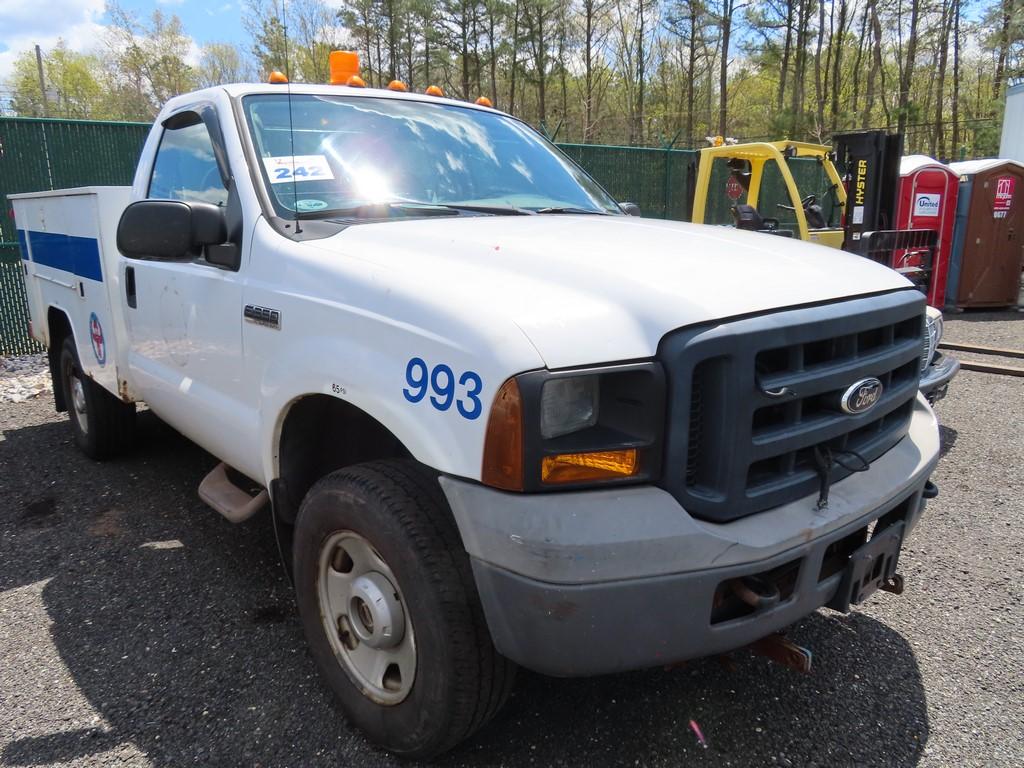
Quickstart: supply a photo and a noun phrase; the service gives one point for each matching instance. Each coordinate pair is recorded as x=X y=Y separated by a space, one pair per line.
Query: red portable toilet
x=927 y=200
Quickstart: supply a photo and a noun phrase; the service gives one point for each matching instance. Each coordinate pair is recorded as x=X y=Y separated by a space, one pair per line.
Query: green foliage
x=613 y=71
x=73 y=85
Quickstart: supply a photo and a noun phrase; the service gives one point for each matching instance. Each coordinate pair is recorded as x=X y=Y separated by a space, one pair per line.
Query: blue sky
x=23 y=23
x=205 y=20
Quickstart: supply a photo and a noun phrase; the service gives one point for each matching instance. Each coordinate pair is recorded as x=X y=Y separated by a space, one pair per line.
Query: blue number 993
x=443 y=387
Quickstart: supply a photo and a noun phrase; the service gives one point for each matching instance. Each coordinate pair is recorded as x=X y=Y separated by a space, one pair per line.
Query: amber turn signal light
x=503 y=442
x=581 y=467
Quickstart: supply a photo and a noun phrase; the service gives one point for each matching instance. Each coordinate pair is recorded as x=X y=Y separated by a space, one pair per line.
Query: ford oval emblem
x=862 y=396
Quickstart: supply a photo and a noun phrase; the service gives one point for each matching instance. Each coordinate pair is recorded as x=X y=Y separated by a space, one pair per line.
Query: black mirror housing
x=630 y=209
x=169 y=230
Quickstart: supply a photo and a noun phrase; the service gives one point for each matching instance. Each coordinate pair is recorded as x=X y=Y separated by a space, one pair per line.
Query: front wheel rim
x=78 y=403
x=365 y=618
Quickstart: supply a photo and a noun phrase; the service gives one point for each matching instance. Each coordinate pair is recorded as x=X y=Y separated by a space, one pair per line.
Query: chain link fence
x=39 y=154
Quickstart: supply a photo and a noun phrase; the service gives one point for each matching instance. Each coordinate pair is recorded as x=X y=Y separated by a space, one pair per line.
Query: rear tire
x=380 y=525
x=102 y=425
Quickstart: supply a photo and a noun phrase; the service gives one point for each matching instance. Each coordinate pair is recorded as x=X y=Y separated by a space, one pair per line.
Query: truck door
x=185 y=318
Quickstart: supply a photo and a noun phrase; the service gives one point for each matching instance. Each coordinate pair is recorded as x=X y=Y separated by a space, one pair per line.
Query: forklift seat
x=748 y=218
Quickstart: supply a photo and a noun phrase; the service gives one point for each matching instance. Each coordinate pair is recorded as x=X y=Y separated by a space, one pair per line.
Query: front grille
x=752 y=398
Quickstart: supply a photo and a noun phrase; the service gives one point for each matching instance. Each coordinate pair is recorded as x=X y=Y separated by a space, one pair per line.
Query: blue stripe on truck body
x=80 y=255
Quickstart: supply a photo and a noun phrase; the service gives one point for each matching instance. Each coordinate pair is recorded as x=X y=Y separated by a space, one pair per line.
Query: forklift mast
x=870 y=163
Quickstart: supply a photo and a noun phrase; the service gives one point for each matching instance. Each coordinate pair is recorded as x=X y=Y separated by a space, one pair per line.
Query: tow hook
x=931 y=490
x=894 y=584
x=755 y=592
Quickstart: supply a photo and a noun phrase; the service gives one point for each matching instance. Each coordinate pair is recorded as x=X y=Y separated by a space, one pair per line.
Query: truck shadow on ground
x=178 y=630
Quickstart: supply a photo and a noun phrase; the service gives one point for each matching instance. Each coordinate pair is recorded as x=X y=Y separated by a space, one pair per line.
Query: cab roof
x=302 y=89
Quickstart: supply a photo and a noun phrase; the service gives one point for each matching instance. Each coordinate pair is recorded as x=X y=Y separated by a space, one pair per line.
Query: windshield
x=337 y=156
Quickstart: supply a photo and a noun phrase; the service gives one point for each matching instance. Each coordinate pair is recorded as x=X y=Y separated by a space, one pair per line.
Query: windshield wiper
x=497 y=210
x=383 y=209
x=589 y=211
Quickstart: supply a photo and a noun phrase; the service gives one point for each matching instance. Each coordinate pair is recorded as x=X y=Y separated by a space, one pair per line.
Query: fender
x=373 y=380
x=54 y=310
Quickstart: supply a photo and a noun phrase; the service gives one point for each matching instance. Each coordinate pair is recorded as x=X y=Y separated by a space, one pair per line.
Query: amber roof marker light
x=344 y=66
x=398 y=85
x=434 y=90
x=277 y=78
x=483 y=101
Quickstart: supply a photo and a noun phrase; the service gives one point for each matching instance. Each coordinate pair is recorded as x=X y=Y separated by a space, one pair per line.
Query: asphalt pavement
x=139 y=628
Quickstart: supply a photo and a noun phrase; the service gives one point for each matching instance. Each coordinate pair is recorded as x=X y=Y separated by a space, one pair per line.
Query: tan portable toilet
x=988 y=245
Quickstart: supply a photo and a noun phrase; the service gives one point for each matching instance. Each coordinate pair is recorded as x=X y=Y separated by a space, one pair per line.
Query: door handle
x=129 y=287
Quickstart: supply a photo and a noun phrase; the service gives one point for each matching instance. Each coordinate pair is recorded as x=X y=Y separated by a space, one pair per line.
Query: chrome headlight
x=568 y=405
x=932 y=336
x=550 y=430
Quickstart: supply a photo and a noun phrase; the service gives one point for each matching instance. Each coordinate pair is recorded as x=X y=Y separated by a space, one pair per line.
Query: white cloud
x=24 y=24
x=25 y=18
x=171 y=2
x=195 y=53
x=76 y=22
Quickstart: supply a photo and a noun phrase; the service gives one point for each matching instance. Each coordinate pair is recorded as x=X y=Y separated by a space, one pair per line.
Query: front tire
x=389 y=606
x=102 y=425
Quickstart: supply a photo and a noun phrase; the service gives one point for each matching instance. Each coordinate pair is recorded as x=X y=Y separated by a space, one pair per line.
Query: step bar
x=235 y=504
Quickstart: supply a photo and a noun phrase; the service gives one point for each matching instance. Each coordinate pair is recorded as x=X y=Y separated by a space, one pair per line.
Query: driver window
x=186 y=168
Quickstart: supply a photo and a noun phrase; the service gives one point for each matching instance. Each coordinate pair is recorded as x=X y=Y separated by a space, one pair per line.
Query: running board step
x=236 y=505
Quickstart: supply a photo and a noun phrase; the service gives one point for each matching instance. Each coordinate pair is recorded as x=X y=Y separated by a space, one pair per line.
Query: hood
x=593 y=289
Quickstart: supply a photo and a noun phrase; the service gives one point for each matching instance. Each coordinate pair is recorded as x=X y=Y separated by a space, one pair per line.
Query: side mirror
x=169 y=230
x=630 y=209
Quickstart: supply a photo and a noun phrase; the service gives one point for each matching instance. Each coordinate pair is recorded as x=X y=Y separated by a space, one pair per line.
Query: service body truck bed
x=497 y=421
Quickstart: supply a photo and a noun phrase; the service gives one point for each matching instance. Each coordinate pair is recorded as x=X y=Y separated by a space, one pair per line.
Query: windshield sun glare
x=345 y=157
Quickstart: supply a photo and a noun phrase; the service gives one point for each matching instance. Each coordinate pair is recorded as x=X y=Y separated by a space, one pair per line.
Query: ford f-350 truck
x=497 y=421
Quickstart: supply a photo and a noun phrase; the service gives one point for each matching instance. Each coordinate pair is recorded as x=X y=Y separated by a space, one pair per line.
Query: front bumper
x=584 y=583
x=936 y=377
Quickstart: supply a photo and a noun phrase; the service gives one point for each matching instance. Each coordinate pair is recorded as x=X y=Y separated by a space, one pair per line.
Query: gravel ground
x=1004 y=330
x=22 y=378
x=139 y=628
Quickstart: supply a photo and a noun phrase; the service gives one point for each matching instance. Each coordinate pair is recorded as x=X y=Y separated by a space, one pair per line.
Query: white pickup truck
x=497 y=421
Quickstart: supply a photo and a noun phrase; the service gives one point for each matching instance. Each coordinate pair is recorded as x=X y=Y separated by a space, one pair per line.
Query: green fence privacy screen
x=40 y=154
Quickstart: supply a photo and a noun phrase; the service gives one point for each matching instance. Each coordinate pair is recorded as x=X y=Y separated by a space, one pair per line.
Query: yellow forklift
x=855 y=211
x=750 y=165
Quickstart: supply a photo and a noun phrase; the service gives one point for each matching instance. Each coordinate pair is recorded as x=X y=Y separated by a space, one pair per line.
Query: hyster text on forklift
x=497 y=421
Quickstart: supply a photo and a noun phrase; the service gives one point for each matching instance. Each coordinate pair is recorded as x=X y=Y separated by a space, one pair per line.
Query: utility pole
x=42 y=80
